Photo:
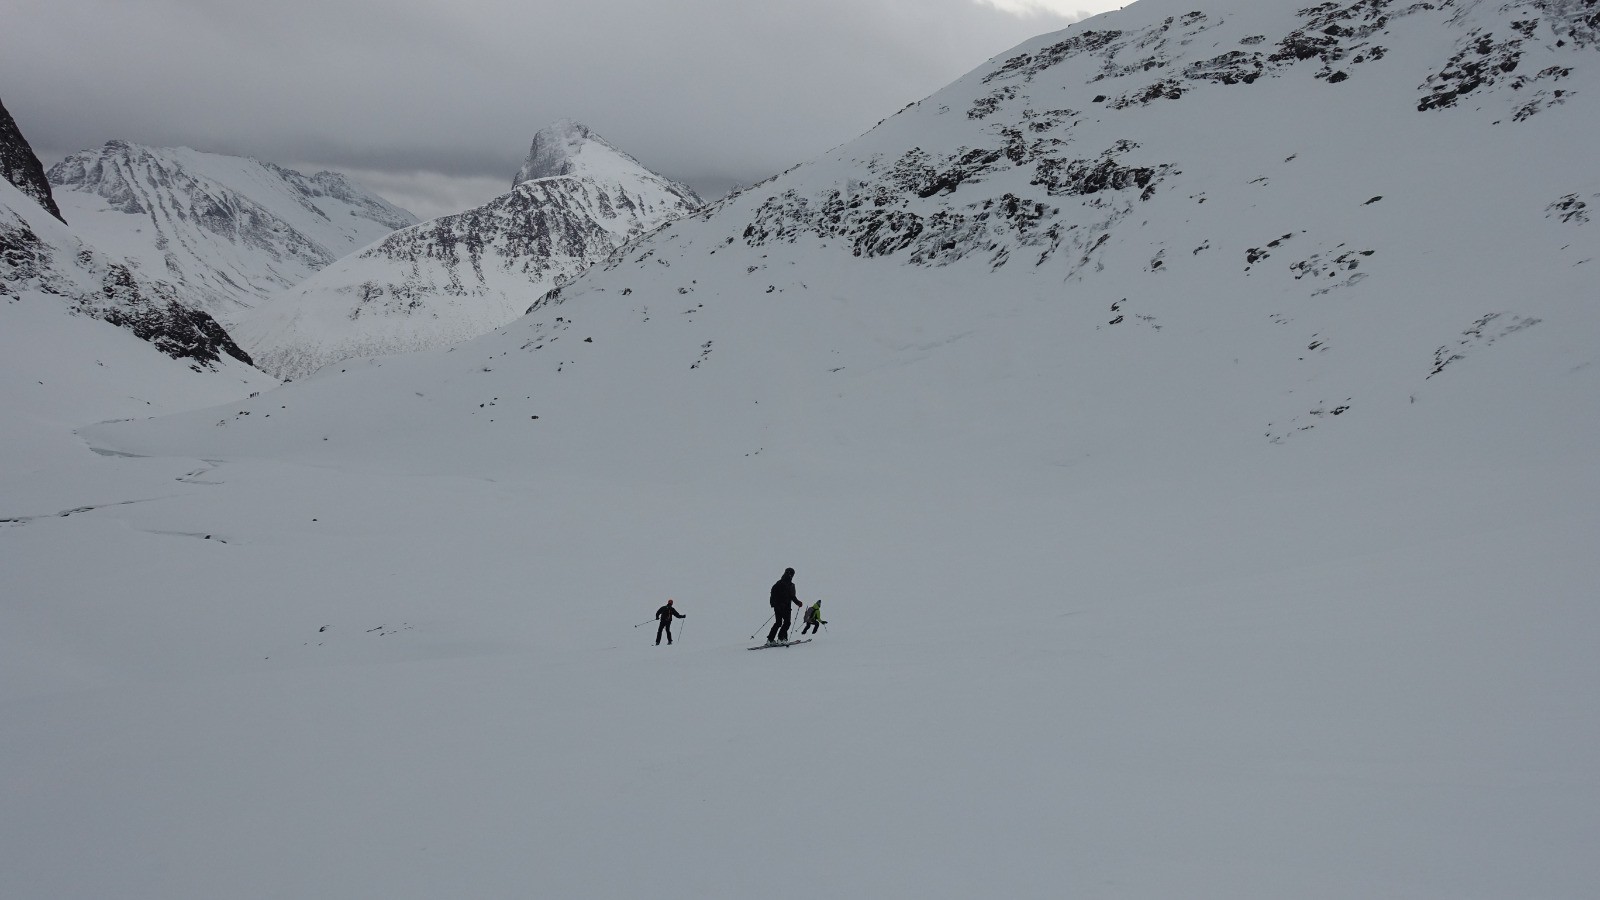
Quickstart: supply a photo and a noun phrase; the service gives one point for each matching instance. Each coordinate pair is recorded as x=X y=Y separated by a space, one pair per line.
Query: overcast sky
x=433 y=103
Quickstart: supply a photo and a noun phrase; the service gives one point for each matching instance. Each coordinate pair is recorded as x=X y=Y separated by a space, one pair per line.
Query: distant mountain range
x=310 y=269
x=227 y=231
x=575 y=200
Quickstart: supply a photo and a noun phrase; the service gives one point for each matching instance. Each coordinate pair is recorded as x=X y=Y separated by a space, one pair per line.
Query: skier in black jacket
x=782 y=596
x=665 y=614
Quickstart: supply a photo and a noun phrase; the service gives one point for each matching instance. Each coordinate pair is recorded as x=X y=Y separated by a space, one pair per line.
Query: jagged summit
x=556 y=148
x=20 y=165
x=567 y=147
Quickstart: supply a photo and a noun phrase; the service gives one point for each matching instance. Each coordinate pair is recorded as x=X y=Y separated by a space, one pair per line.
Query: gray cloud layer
x=707 y=91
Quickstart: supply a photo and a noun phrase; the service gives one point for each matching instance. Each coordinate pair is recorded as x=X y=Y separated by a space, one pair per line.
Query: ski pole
x=645 y=622
x=763 y=625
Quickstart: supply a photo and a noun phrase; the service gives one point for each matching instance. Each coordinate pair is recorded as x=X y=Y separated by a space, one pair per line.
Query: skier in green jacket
x=813 y=618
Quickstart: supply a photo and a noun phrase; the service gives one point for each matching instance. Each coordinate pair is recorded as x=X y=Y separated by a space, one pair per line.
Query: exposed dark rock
x=1570 y=209
x=176 y=330
x=1028 y=65
x=1480 y=62
x=20 y=166
x=1233 y=67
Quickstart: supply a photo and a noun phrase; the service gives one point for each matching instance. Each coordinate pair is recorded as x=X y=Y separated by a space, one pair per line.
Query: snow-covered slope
x=1199 y=480
x=227 y=231
x=575 y=201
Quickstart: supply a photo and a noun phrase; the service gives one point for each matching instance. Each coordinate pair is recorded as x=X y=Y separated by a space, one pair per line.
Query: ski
x=781 y=644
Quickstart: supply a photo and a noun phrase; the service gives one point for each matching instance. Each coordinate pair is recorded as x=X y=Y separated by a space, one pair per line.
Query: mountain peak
x=562 y=148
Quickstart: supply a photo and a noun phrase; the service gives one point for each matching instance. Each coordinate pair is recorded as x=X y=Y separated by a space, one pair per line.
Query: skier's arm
x=679 y=614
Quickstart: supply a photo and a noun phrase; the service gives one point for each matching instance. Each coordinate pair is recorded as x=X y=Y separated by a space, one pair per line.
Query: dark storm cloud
x=709 y=91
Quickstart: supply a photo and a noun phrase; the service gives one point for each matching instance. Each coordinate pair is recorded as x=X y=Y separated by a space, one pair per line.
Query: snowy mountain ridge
x=227 y=231
x=575 y=202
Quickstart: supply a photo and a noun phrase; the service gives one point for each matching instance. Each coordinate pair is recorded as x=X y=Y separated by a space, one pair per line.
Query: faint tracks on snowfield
x=23 y=520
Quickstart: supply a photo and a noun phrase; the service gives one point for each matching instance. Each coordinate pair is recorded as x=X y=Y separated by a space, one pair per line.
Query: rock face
x=226 y=231
x=575 y=201
x=21 y=167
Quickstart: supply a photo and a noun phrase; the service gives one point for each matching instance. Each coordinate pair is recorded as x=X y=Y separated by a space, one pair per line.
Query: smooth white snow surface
x=1219 y=578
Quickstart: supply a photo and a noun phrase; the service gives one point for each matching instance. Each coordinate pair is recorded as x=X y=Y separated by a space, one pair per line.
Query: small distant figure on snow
x=665 y=615
x=782 y=595
x=813 y=618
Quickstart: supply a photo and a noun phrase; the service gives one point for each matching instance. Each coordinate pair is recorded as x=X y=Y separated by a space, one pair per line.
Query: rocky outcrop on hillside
x=20 y=166
x=936 y=206
x=38 y=258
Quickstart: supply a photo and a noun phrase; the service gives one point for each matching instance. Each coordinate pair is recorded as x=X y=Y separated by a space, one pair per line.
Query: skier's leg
x=772 y=633
x=660 y=628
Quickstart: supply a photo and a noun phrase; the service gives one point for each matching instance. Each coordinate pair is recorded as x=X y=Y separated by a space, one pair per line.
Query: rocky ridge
x=20 y=167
